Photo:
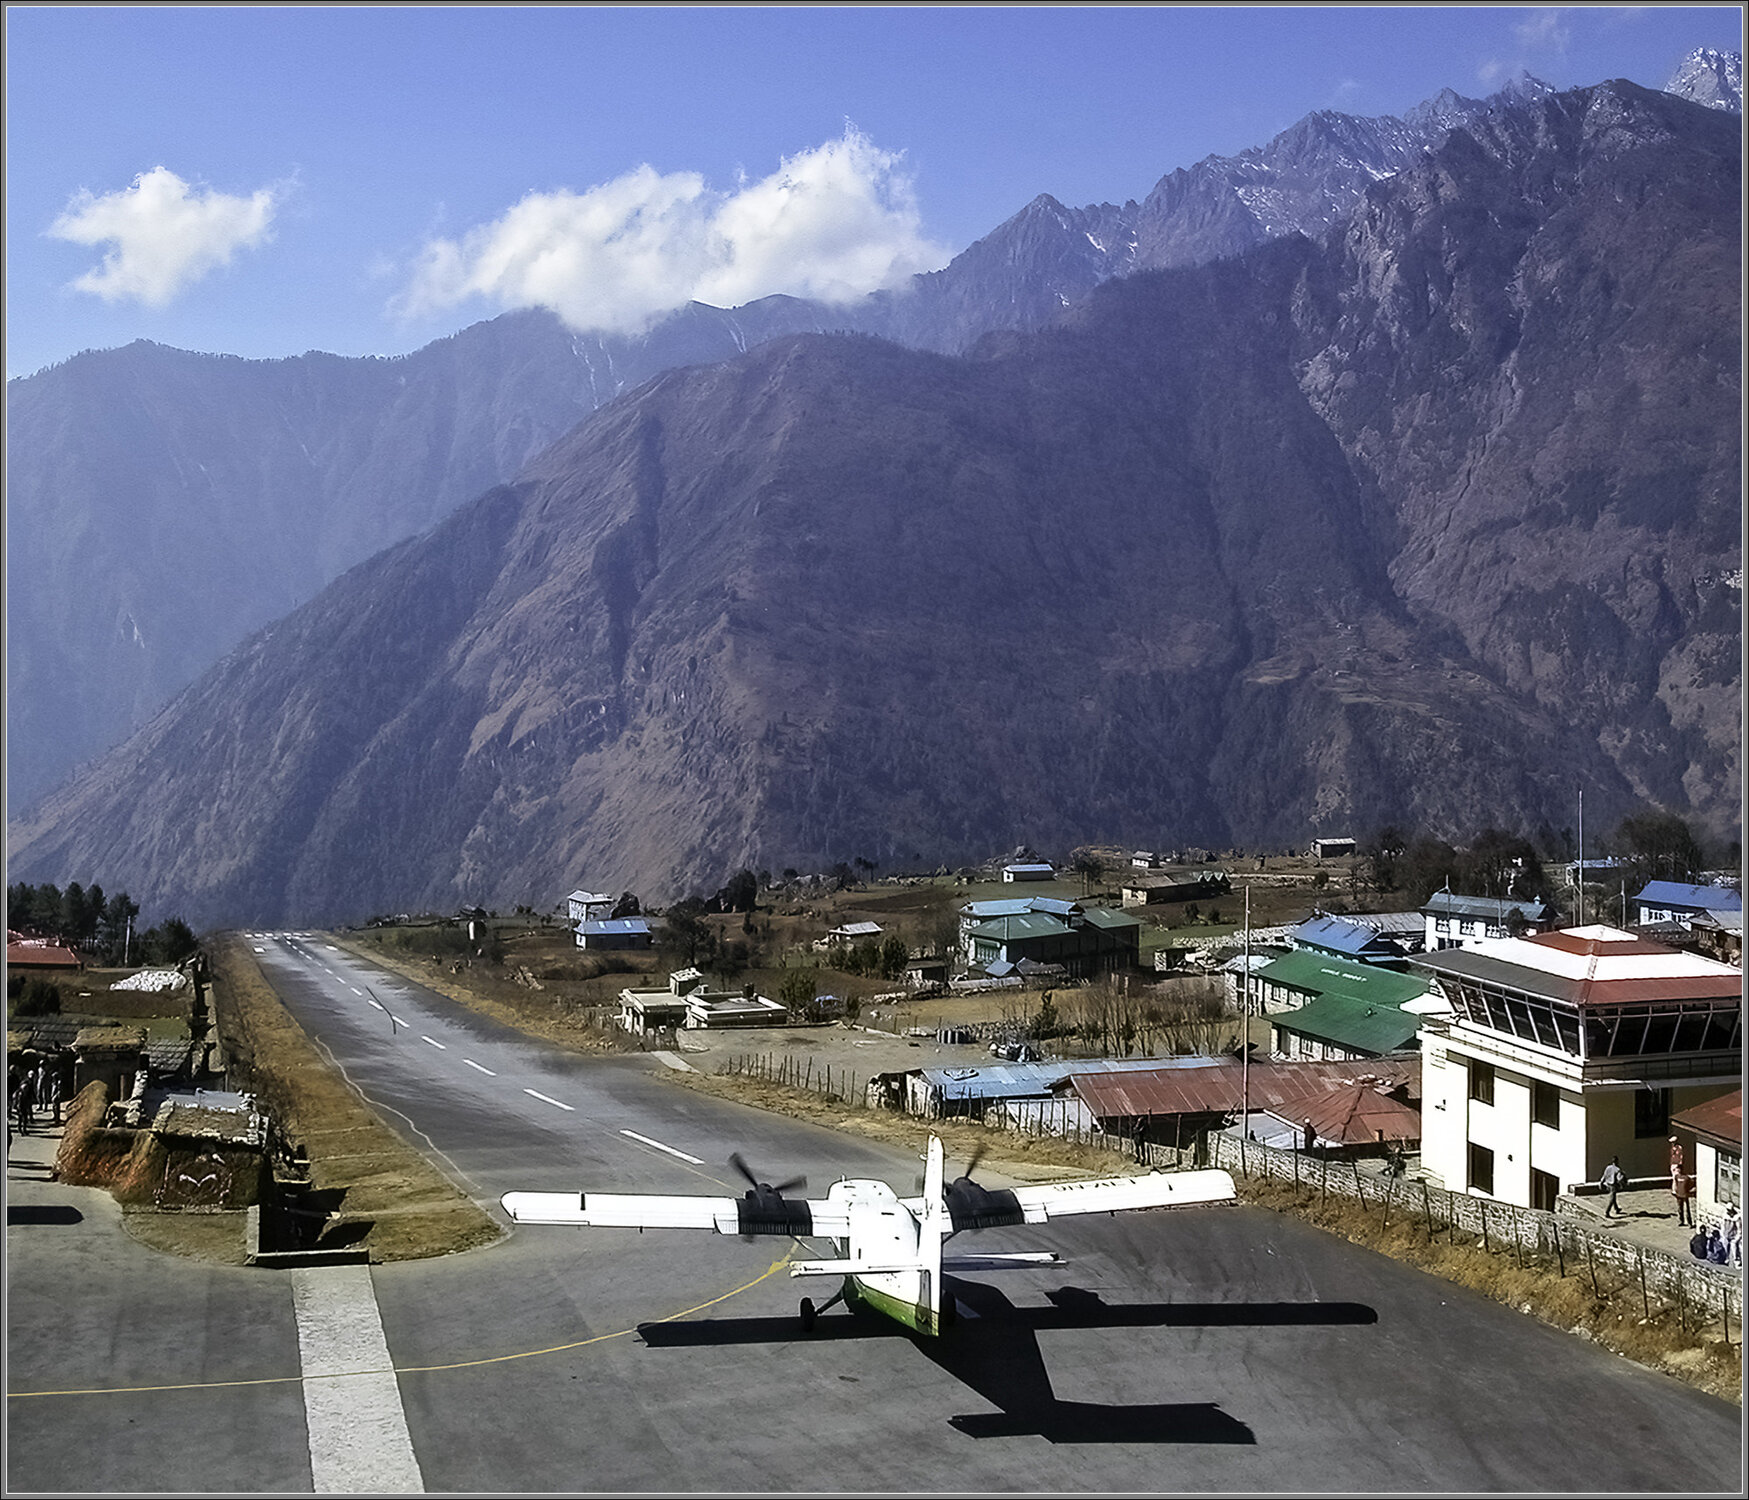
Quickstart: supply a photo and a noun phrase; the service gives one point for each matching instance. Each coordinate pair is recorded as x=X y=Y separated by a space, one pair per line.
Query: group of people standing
x=1721 y=1244
x=35 y=1087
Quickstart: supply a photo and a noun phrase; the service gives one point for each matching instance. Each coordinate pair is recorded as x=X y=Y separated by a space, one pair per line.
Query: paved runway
x=1225 y=1350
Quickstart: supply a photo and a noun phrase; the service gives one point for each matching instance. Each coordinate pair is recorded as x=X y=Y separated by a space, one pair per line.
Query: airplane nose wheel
x=809 y=1312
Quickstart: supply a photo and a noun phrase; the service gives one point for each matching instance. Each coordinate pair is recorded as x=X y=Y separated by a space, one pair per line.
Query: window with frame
x=1481 y=1169
x=1545 y=1188
x=1728 y=1179
x=1482 y=1082
x=1545 y=1104
x=1651 y=1114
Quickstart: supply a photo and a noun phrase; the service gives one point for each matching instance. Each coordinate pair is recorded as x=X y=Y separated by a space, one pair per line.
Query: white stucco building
x=1565 y=1049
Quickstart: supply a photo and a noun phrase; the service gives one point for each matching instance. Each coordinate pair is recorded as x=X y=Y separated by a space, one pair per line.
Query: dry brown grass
x=392 y=1201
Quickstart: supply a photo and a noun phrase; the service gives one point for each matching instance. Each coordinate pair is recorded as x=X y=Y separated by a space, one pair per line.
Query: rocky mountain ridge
x=1430 y=521
x=162 y=504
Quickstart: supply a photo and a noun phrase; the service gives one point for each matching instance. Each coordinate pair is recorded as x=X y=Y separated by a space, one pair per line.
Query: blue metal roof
x=624 y=926
x=1702 y=897
x=1337 y=935
x=1032 y=1080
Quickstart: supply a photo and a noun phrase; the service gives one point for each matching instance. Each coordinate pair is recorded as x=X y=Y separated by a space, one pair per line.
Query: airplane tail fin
x=932 y=1229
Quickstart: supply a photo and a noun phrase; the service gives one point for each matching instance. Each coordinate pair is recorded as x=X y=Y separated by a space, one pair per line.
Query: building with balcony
x=1564 y=1049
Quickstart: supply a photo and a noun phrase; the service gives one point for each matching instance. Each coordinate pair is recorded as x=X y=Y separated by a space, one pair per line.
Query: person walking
x=1612 y=1181
x=1682 y=1190
x=24 y=1100
x=1732 y=1236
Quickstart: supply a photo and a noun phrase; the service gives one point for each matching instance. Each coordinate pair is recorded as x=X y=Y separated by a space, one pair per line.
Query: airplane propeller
x=763 y=1209
x=760 y=1189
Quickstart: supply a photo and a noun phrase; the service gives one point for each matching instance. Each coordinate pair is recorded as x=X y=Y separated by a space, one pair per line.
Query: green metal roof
x=1364 y=1026
x=1103 y=916
x=1023 y=924
x=1321 y=974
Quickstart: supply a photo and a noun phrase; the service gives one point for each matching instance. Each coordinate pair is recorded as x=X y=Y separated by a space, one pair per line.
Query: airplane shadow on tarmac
x=992 y=1347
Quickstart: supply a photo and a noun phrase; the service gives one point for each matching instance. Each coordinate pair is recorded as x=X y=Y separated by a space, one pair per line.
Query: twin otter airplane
x=888 y=1248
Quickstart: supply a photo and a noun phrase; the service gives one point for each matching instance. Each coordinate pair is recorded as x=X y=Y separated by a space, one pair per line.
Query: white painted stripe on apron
x=359 y=1442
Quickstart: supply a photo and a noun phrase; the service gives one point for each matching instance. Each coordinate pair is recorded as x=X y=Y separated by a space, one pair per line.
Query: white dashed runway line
x=545 y=1100
x=359 y=1443
x=646 y=1141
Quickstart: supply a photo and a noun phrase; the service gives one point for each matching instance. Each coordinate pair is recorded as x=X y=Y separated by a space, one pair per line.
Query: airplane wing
x=971 y=1206
x=745 y=1215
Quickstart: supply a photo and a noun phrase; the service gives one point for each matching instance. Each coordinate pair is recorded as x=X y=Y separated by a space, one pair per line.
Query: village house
x=588 y=906
x=687 y=1004
x=1084 y=940
x=40 y=955
x=1338 y=1028
x=615 y=933
x=847 y=934
x=1297 y=979
x=1352 y=1108
x=1211 y=885
x=1564 y=1049
x=1014 y=872
x=1348 y=938
x=1716 y=1129
x=1333 y=848
x=1662 y=901
x=1455 y=921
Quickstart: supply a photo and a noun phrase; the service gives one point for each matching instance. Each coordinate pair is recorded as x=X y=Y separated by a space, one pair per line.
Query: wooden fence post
x=1645 y=1296
x=1560 y=1251
x=1390 y=1187
x=1427 y=1208
x=1591 y=1260
x=1485 y=1245
x=1359 y=1191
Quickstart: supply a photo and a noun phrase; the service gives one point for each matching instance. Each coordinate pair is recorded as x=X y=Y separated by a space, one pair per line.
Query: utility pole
x=1245 y=1026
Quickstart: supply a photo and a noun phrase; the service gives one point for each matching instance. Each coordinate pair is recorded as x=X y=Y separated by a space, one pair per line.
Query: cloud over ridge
x=165 y=234
x=833 y=223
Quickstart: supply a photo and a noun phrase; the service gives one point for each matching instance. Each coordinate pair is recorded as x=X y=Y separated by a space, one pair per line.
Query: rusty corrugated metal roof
x=1720 y=1119
x=1218 y=1089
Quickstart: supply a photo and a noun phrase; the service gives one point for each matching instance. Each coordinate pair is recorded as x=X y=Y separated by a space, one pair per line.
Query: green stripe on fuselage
x=912 y=1314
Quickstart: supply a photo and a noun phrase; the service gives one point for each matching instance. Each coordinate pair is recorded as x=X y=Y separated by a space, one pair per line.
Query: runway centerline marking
x=439 y=1045
x=657 y=1145
x=472 y=1064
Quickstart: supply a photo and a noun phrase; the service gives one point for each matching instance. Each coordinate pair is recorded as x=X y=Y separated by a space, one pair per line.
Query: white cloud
x=165 y=234
x=833 y=223
x=1540 y=40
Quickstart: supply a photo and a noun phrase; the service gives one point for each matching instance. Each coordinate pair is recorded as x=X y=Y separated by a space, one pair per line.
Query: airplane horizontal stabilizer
x=851 y=1267
x=1006 y=1262
x=1113 y=1194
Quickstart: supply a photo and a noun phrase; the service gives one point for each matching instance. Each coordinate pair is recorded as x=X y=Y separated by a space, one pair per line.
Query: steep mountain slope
x=1430 y=522
x=161 y=504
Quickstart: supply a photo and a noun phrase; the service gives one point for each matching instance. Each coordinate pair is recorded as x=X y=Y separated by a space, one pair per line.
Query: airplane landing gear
x=810 y=1312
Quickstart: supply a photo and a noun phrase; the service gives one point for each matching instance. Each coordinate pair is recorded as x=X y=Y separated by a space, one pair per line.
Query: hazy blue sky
x=264 y=181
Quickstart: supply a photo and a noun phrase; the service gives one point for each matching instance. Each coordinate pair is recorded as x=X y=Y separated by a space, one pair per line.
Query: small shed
x=1016 y=872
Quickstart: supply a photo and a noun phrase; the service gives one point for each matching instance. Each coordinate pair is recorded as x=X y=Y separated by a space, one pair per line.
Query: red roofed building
x=35 y=953
x=1717 y=1128
x=1356 y=1104
x=1565 y=1049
